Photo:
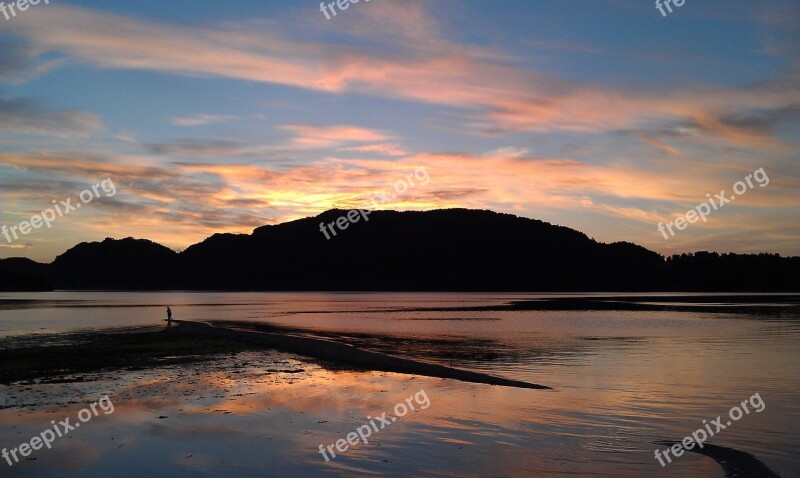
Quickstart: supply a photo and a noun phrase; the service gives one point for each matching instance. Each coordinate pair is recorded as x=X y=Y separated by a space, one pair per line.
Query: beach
x=256 y=383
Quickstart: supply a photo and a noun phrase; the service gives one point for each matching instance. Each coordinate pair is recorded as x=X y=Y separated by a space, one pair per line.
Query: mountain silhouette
x=18 y=274
x=440 y=250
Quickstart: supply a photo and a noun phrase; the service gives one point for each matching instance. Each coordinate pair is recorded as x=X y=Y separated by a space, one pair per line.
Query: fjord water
x=621 y=381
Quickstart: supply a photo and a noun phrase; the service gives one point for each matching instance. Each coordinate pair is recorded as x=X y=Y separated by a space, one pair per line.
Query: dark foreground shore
x=98 y=352
x=193 y=342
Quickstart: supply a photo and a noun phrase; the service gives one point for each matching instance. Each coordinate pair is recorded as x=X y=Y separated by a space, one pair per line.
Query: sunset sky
x=599 y=115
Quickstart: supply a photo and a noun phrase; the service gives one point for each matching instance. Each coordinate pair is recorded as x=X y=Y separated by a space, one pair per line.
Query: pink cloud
x=496 y=95
x=309 y=136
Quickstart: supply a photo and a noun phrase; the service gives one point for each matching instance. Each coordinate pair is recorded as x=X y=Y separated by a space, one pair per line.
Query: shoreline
x=348 y=355
x=190 y=342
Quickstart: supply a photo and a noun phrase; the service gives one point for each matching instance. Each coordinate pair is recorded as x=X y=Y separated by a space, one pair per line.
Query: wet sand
x=346 y=355
x=79 y=354
x=189 y=342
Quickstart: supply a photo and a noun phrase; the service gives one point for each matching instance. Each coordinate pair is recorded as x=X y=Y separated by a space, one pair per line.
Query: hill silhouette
x=18 y=274
x=441 y=250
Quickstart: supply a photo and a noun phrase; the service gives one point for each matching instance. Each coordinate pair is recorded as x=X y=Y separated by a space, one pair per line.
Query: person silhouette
x=169 y=317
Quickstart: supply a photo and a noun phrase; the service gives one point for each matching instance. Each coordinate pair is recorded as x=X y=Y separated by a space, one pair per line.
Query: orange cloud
x=183 y=203
x=308 y=136
x=419 y=65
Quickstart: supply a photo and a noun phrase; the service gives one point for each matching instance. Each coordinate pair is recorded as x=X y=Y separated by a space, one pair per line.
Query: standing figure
x=169 y=317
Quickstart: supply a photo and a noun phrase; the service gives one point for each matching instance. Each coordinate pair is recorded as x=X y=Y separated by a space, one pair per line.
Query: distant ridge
x=441 y=250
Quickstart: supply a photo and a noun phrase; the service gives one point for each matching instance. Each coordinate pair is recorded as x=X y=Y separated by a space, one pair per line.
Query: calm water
x=622 y=380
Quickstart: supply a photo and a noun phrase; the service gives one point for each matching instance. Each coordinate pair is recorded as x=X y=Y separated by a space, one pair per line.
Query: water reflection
x=623 y=380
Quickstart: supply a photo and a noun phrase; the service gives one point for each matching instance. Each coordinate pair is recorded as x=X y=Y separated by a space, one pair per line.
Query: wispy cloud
x=310 y=136
x=203 y=119
x=28 y=117
x=495 y=95
x=360 y=103
x=19 y=63
x=182 y=202
x=508 y=152
x=16 y=245
x=384 y=149
x=195 y=147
